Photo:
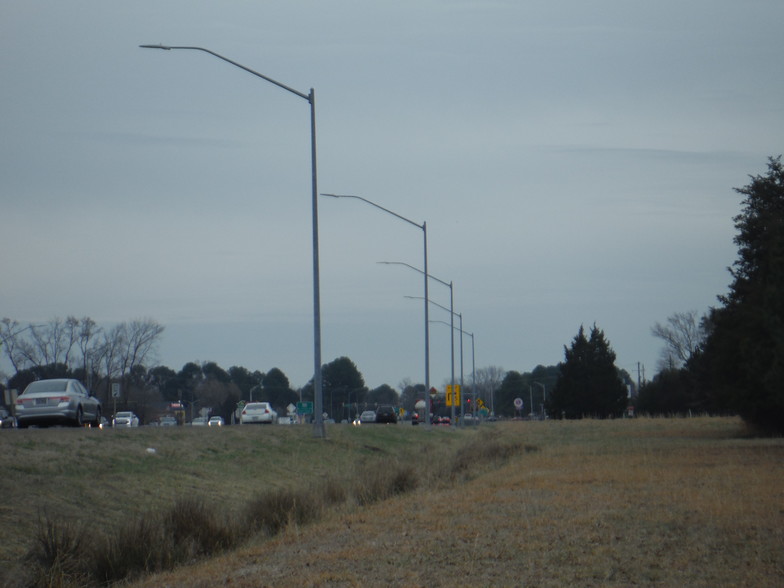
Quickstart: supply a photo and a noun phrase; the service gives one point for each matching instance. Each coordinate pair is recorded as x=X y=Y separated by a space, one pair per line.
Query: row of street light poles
x=318 y=422
x=422 y=226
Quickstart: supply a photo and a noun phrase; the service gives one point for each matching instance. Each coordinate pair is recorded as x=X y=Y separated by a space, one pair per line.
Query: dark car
x=386 y=414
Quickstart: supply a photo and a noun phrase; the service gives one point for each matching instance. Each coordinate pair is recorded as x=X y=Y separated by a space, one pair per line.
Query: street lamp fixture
x=318 y=422
x=422 y=226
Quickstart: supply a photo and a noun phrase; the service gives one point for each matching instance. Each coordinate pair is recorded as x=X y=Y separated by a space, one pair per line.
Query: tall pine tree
x=589 y=385
x=742 y=364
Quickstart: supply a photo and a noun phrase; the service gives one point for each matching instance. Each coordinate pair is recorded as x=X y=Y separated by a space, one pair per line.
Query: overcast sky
x=574 y=162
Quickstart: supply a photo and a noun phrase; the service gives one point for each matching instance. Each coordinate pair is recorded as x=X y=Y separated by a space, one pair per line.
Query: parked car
x=125 y=419
x=258 y=412
x=386 y=414
x=167 y=421
x=216 y=421
x=57 y=401
x=7 y=421
x=367 y=416
x=199 y=422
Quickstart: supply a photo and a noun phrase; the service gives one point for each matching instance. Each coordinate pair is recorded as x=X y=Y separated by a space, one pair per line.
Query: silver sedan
x=60 y=401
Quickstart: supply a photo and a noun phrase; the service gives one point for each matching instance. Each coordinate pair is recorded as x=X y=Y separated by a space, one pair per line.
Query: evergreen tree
x=670 y=393
x=589 y=384
x=513 y=386
x=277 y=391
x=743 y=360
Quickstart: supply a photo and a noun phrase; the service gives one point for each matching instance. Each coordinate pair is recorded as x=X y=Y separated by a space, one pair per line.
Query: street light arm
x=458 y=329
x=401 y=217
x=416 y=269
x=438 y=305
x=307 y=97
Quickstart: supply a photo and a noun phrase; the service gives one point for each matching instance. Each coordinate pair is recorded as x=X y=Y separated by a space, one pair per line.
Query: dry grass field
x=649 y=502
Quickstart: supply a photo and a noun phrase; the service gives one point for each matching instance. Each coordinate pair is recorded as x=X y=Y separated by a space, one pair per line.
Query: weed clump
x=58 y=555
x=272 y=511
x=65 y=554
x=380 y=481
x=486 y=452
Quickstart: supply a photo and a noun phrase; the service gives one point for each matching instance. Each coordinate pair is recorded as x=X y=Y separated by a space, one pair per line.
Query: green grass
x=106 y=477
x=592 y=503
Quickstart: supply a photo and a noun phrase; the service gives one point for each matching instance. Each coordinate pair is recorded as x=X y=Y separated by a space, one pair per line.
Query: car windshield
x=124 y=415
x=47 y=386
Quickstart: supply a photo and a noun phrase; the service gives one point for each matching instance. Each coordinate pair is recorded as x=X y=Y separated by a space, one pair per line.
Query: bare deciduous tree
x=46 y=344
x=488 y=380
x=9 y=339
x=683 y=334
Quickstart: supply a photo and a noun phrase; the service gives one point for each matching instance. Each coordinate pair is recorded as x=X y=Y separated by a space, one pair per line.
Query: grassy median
x=593 y=503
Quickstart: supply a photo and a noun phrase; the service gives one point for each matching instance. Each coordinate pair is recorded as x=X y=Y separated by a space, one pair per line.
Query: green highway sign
x=304 y=408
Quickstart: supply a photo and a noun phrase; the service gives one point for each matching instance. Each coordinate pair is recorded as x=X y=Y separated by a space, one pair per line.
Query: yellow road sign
x=453 y=396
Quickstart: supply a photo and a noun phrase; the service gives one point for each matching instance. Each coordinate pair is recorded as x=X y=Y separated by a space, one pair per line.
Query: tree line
x=100 y=357
x=730 y=360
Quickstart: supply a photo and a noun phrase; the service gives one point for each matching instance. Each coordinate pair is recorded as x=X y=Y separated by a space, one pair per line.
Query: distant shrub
x=272 y=511
x=380 y=481
x=333 y=492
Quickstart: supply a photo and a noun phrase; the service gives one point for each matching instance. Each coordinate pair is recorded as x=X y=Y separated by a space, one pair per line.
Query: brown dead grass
x=591 y=503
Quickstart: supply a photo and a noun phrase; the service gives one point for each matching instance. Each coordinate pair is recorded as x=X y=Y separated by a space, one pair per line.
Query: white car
x=258 y=412
x=58 y=401
x=199 y=422
x=368 y=416
x=216 y=421
x=125 y=419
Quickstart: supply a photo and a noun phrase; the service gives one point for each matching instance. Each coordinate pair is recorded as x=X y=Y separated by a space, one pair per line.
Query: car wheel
x=79 y=417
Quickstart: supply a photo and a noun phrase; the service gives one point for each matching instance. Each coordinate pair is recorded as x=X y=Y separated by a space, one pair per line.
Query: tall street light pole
x=449 y=285
x=452 y=314
x=422 y=226
x=318 y=422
